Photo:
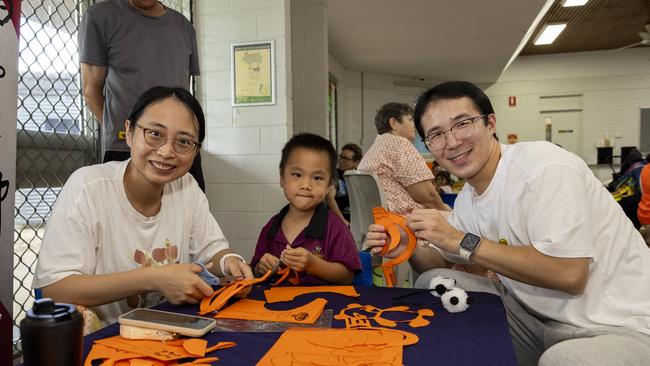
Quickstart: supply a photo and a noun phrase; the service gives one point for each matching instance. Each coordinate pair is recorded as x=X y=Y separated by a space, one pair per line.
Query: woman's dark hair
x=356 y=151
x=313 y=142
x=158 y=93
x=388 y=111
x=451 y=90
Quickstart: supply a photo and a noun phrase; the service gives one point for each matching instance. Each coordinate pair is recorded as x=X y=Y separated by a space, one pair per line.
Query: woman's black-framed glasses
x=156 y=138
x=461 y=130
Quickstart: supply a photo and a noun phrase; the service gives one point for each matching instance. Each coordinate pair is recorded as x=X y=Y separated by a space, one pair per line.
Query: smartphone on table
x=187 y=325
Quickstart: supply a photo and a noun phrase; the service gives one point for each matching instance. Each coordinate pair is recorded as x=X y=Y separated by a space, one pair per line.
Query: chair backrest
x=365 y=193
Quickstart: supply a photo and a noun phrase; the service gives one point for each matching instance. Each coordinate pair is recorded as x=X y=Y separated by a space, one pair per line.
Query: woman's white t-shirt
x=94 y=229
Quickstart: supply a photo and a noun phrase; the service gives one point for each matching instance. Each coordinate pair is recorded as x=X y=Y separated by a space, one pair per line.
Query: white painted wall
x=241 y=151
x=614 y=85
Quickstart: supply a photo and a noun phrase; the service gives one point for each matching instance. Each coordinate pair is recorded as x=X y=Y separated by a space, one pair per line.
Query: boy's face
x=306 y=178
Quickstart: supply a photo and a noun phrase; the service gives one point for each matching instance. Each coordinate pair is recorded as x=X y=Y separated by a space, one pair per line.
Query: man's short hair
x=357 y=153
x=313 y=142
x=388 y=111
x=451 y=90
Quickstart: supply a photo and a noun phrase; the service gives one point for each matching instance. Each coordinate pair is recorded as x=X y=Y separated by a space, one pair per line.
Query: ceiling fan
x=645 y=39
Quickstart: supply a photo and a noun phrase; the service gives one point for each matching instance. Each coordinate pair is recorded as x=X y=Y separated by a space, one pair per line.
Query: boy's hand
x=299 y=259
x=266 y=263
x=180 y=283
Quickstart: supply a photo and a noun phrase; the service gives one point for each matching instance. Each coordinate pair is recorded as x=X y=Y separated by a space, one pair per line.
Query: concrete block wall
x=241 y=151
x=309 y=66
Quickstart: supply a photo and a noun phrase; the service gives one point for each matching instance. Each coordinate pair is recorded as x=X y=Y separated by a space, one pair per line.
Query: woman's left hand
x=238 y=269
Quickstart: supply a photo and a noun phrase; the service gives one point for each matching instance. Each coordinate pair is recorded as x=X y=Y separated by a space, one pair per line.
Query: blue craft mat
x=478 y=336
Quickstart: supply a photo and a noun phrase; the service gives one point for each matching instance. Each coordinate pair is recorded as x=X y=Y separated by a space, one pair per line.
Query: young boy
x=305 y=235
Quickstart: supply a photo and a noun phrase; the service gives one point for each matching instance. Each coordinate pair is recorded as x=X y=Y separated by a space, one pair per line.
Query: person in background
x=125 y=234
x=305 y=235
x=339 y=200
x=573 y=271
x=626 y=187
x=643 y=211
x=444 y=182
x=403 y=173
x=122 y=47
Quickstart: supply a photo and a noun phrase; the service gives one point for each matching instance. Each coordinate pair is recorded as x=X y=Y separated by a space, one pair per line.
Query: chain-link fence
x=56 y=133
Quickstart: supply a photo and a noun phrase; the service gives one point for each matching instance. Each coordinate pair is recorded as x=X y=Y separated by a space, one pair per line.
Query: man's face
x=464 y=158
x=346 y=160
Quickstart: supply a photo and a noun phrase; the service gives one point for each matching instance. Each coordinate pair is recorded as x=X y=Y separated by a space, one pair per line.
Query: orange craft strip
x=219 y=298
x=287 y=274
x=247 y=309
x=220 y=345
x=154 y=349
x=279 y=294
x=393 y=222
x=142 y=361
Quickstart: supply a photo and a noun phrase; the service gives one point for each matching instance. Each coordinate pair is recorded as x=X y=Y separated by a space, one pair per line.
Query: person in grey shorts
x=574 y=273
x=125 y=48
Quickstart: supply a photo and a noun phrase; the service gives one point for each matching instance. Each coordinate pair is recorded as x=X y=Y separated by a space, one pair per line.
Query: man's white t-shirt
x=544 y=196
x=94 y=229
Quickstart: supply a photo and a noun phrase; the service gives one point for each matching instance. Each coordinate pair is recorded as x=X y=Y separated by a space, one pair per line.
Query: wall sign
x=253 y=73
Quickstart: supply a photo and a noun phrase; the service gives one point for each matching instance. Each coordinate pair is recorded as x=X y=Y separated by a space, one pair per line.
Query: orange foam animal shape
x=395 y=226
x=219 y=298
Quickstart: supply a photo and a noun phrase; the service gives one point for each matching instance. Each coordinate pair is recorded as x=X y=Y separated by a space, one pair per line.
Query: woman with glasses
x=126 y=234
x=405 y=178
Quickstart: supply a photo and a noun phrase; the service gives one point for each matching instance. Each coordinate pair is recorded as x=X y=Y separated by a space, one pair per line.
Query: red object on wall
x=512 y=101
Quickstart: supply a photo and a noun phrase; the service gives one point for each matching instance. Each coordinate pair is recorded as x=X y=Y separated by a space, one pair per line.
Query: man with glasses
x=574 y=272
x=339 y=200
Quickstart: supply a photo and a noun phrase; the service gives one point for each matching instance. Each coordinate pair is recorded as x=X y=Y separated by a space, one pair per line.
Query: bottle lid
x=47 y=310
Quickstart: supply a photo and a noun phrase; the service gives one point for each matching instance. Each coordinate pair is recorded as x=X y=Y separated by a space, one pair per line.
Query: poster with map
x=253 y=74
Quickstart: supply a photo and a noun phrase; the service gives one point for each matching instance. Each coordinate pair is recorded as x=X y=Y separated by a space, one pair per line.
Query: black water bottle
x=52 y=334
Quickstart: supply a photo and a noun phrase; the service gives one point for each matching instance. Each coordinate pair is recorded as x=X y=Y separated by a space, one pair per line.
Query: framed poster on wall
x=253 y=73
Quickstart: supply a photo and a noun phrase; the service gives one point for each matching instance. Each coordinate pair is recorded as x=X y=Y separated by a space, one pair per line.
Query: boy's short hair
x=313 y=142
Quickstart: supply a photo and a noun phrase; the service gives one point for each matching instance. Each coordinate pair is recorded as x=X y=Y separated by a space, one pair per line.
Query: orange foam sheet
x=279 y=294
x=247 y=309
x=335 y=347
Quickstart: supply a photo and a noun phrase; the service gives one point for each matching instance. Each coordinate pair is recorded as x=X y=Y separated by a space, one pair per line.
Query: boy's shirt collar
x=317 y=225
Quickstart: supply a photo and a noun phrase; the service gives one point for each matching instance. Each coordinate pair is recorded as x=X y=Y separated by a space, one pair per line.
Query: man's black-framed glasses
x=461 y=130
x=156 y=138
x=343 y=157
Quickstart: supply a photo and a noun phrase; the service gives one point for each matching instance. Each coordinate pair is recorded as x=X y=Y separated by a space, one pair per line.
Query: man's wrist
x=222 y=262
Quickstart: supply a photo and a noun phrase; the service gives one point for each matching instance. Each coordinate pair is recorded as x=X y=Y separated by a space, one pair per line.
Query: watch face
x=470 y=242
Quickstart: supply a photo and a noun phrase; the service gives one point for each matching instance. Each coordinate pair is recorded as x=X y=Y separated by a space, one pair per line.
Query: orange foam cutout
x=279 y=294
x=247 y=309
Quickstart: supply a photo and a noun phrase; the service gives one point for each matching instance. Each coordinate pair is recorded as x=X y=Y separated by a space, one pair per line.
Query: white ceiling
x=438 y=39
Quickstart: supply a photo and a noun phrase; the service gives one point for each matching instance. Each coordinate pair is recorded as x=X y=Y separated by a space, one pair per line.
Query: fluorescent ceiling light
x=549 y=34
x=569 y=3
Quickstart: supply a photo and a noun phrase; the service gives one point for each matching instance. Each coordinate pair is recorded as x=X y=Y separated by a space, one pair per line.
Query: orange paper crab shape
x=358 y=316
x=395 y=225
x=219 y=298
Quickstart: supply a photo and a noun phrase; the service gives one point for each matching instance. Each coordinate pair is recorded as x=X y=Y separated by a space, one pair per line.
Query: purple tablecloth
x=478 y=336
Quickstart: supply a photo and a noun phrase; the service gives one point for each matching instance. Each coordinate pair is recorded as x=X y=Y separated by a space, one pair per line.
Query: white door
x=565 y=129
